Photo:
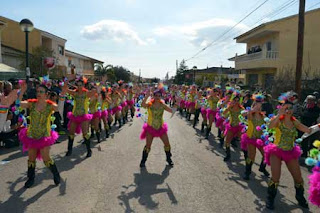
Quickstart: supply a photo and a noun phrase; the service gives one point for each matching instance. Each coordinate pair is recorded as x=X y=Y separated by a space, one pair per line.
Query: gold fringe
x=146 y=149
x=167 y=148
x=49 y=163
x=273 y=183
x=31 y=164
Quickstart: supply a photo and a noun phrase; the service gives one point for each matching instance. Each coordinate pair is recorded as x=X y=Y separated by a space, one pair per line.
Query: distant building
x=79 y=64
x=272 y=48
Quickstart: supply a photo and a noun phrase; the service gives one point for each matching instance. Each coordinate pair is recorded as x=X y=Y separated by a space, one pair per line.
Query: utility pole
x=300 y=47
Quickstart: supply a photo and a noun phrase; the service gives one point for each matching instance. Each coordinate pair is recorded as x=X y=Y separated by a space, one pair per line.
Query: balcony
x=263 y=59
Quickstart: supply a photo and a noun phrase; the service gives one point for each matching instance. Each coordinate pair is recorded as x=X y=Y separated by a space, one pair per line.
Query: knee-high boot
x=145 y=154
x=208 y=132
x=300 y=195
x=92 y=132
x=98 y=136
x=202 y=127
x=53 y=168
x=263 y=169
x=228 y=154
x=167 y=149
x=88 y=145
x=272 y=192
x=247 y=173
x=70 y=145
x=30 y=174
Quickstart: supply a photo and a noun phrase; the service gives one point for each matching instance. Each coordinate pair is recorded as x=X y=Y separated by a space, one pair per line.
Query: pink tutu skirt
x=154 y=132
x=104 y=114
x=286 y=156
x=109 y=111
x=97 y=114
x=130 y=103
x=203 y=112
x=116 y=109
x=123 y=104
x=245 y=141
x=234 y=129
x=182 y=104
x=219 y=121
x=314 y=188
x=191 y=105
x=212 y=113
x=78 y=120
x=30 y=143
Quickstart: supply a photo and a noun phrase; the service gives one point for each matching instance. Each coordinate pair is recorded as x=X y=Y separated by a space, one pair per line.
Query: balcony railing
x=269 y=55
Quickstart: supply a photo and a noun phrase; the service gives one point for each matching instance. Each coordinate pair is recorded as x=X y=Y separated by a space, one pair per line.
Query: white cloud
x=119 y=31
x=200 y=33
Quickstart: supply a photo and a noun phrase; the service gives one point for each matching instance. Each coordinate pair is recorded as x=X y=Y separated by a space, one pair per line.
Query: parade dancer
x=191 y=102
x=116 y=105
x=212 y=100
x=198 y=106
x=251 y=140
x=284 y=149
x=106 y=116
x=155 y=127
x=130 y=101
x=79 y=118
x=96 y=115
x=204 y=106
x=38 y=136
x=232 y=127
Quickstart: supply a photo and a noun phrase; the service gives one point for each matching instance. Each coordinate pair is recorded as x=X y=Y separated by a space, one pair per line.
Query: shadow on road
x=145 y=185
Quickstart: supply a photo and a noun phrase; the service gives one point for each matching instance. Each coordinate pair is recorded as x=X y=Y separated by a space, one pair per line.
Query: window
x=61 y=50
x=69 y=63
x=269 y=46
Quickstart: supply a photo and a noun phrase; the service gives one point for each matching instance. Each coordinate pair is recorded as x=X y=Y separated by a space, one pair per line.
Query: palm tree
x=104 y=71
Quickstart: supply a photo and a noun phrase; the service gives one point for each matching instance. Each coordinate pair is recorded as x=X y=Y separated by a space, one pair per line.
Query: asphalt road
x=111 y=180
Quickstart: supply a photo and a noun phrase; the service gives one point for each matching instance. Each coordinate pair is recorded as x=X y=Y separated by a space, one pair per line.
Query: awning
x=7 y=72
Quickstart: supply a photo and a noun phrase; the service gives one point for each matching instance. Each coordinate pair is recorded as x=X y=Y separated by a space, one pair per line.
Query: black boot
x=300 y=195
x=92 y=133
x=107 y=133
x=98 y=137
x=234 y=143
x=228 y=154
x=120 y=125
x=208 y=132
x=145 y=154
x=262 y=168
x=53 y=168
x=189 y=117
x=132 y=114
x=70 y=145
x=124 y=120
x=167 y=149
x=272 y=192
x=245 y=154
x=30 y=174
x=221 y=142
x=247 y=173
x=202 y=127
x=219 y=133
x=88 y=144
x=109 y=123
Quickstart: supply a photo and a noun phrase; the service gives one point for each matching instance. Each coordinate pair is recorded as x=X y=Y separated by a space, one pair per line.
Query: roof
x=34 y=28
x=272 y=22
x=213 y=70
x=50 y=34
x=83 y=56
x=6 y=68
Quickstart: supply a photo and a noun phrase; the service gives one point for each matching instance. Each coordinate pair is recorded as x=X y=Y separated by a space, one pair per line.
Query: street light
x=27 y=26
x=194 y=68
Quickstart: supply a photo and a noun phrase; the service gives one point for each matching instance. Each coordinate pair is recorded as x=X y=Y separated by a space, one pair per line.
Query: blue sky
x=147 y=34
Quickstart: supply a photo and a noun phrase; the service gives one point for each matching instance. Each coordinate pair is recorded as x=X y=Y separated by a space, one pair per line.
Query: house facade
x=272 y=49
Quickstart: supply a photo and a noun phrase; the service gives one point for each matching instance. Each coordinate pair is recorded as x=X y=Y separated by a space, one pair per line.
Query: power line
x=210 y=44
x=313 y=6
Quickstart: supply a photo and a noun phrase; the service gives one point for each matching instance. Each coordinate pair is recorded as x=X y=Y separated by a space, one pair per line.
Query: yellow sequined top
x=252 y=132
x=234 y=117
x=40 y=125
x=155 y=116
x=117 y=99
x=213 y=101
x=105 y=105
x=93 y=106
x=80 y=106
x=130 y=96
x=285 y=137
x=191 y=97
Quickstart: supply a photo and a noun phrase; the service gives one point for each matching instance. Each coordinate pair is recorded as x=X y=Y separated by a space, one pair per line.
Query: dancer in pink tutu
x=155 y=127
x=38 y=136
x=106 y=115
x=232 y=127
x=212 y=100
x=284 y=149
x=116 y=104
x=130 y=101
x=251 y=140
x=199 y=104
x=203 y=110
x=191 y=102
x=79 y=118
x=96 y=115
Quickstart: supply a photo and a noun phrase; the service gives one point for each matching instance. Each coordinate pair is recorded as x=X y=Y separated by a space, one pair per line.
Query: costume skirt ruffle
x=30 y=143
x=212 y=113
x=116 y=109
x=130 y=103
x=78 y=120
x=234 y=129
x=104 y=114
x=245 y=141
x=314 y=186
x=154 y=132
x=97 y=114
x=272 y=149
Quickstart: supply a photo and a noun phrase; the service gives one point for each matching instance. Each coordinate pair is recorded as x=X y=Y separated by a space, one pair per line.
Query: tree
x=180 y=76
x=121 y=73
x=36 y=61
x=104 y=72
